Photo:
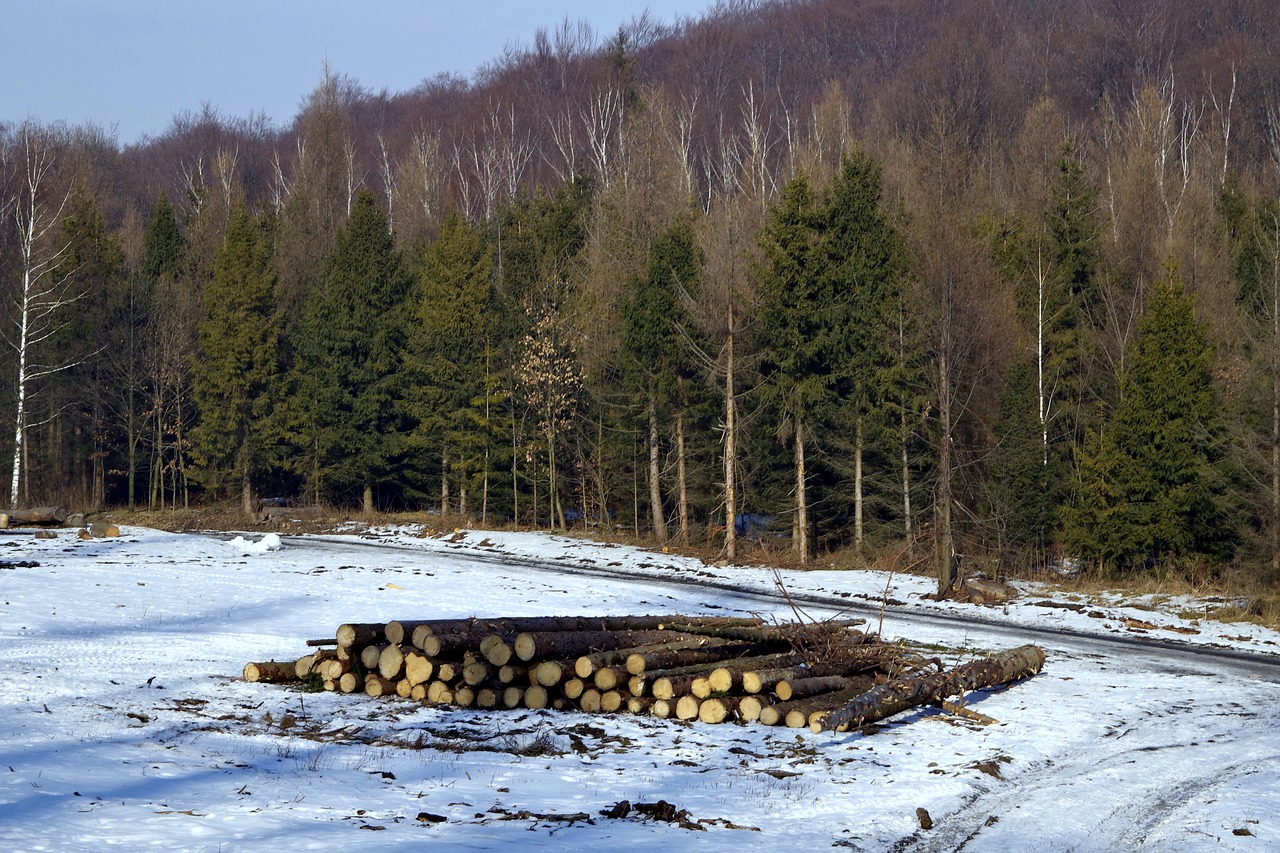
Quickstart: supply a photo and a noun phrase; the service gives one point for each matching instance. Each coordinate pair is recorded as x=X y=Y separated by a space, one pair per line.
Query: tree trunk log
x=687 y=707
x=726 y=678
x=718 y=709
x=549 y=673
x=376 y=685
x=271 y=671
x=900 y=694
x=360 y=634
x=798 y=688
x=687 y=653
x=529 y=624
x=418 y=668
x=750 y=707
x=391 y=662
x=43 y=516
x=586 y=665
x=768 y=679
x=550 y=645
x=777 y=713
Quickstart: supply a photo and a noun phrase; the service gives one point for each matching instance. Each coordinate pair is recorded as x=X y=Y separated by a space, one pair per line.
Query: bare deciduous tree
x=44 y=288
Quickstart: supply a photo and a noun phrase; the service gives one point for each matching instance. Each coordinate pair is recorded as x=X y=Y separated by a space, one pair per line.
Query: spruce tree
x=653 y=352
x=236 y=373
x=1153 y=489
x=862 y=260
x=350 y=357
x=449 y=338
x=800 y=348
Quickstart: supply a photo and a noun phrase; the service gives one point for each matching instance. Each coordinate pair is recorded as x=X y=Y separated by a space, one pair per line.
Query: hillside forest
x=985 y=282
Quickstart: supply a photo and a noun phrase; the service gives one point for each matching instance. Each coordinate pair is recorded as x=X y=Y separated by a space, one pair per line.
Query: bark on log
x=768 y=679
x=687 y=653
x=271 y=671
x=776 y=713
x=518 y=625
x=730 y=676
x=586 y=665
x=40 y=515
x=898 y=695
x=445 y=645
x=798 y=688
x=356 y=634
x=549 y=645
x=376 y=685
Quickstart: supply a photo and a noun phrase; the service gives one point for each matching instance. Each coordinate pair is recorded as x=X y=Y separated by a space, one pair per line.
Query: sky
x=130 y=66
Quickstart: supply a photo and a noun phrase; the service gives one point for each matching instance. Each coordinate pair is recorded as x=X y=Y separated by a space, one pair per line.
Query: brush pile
x=823 y=675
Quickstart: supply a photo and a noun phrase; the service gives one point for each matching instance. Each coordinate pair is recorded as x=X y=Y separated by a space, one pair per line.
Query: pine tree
x=350 y=358
x=1152 y=489
x=237 y=370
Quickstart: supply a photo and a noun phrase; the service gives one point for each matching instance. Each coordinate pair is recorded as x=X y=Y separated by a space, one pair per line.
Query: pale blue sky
x=131 y=65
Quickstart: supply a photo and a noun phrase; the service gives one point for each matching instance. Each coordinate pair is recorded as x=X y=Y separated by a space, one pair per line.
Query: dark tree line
x=991 y=281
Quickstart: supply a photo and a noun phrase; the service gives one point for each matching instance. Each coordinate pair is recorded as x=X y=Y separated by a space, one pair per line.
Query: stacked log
x=822 y=676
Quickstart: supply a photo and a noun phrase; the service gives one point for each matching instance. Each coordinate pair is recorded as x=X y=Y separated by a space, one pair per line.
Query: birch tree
x=45 y=288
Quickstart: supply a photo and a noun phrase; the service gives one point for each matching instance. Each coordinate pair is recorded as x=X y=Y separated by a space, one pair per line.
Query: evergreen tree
x=236 y=372
x=1253 y=228
x=350 y=357
x=162 y=243
x=652 y=322
x=1025 y=481
x=800 y=346
x=1152 y=488
x=93 y=263
x=450 y=343
x=863 y=263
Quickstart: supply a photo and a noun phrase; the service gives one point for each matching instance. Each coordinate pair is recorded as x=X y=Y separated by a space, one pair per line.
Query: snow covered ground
x=124 y=722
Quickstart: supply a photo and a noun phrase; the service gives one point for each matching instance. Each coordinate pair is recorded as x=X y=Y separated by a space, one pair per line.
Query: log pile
x=823 y=676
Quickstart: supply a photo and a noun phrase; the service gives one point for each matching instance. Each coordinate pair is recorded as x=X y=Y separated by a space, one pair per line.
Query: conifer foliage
x=351 y=360
x=1153 y=488
x=237 y=372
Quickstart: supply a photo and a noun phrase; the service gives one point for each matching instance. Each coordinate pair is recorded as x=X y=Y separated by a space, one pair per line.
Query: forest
x=996 y=282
